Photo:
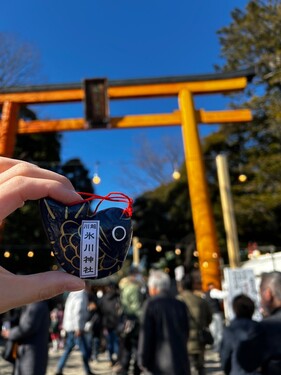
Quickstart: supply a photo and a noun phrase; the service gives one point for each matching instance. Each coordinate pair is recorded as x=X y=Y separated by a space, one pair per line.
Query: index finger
x=24 y=169
x=17 y=190
x=6 y=163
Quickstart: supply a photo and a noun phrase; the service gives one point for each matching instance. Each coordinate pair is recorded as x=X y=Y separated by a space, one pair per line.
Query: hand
x=78 y=333
x=21 y=181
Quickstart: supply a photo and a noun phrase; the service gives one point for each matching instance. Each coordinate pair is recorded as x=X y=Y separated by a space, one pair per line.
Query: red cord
x=113 y=197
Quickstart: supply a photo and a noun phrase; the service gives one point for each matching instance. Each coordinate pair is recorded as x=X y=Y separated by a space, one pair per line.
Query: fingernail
x=76 y=284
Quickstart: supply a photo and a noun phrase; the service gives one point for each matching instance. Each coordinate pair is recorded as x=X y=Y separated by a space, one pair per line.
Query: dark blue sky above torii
x=120 y=39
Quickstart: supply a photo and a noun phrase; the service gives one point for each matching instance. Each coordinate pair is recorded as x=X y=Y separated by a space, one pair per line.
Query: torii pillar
x=9 y=127
x=203 y=219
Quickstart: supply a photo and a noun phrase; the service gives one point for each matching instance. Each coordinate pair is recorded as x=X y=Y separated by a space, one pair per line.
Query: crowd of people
x=150 y=326
x=147 y=326
x=143 y=324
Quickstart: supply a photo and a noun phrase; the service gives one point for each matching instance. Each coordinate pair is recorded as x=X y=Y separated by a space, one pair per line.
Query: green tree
x=252 y=39
x=75 y=171
x=163 y=216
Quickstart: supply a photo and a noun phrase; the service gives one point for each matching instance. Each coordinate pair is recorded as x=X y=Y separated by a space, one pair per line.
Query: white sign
x=240 y=281
x=89 y=248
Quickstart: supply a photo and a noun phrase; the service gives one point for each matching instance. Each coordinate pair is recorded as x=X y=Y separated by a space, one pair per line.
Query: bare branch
x=19 y=61
x=153 y=167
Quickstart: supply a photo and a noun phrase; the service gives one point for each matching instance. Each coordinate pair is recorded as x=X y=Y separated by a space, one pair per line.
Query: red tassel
x=113 y=197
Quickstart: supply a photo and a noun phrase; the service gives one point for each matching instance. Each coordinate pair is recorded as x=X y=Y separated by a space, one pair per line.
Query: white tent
x=264 y=263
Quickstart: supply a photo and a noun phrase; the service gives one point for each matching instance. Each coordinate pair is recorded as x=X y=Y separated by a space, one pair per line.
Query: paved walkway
x=103 y=367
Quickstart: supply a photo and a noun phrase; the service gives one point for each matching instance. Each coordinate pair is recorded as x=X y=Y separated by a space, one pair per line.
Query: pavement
x=102 y=366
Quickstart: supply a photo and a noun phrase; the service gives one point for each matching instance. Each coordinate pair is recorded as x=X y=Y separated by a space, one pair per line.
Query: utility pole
x=136 y=253
x=228 y=212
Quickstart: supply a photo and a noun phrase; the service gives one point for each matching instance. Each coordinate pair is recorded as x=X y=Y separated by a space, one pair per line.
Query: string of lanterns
x=138 y=243
x=96 y=179
x=30 y=254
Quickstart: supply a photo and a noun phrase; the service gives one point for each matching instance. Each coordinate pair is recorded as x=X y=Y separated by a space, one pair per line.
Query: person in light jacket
x=74 y=319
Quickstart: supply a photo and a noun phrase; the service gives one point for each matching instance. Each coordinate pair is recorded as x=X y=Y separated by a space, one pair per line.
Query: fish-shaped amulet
x=87 y=243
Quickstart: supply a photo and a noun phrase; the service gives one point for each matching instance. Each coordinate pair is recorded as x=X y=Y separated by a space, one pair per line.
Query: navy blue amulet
x=89 y=243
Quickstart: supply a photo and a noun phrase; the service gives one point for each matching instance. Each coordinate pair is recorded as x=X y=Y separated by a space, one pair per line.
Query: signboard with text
x=240 y=281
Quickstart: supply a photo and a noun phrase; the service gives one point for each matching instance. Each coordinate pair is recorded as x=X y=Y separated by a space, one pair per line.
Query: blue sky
x=119 y=39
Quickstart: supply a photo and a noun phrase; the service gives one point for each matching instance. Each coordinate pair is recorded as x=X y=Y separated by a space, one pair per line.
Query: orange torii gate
x=184 y=87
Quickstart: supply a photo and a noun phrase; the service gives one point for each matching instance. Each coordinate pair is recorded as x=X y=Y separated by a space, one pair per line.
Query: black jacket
x=110 y=310
x=32 y=333
x=237 y=331
x=163 y=336
x=262 y=347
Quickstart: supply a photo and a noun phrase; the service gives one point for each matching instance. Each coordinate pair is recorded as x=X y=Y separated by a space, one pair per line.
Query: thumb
x=21 y=290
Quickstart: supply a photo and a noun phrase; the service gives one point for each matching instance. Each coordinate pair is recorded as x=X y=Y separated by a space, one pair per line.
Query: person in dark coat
x=262 y=347
x=32 y=334
x=164 y=330
x=238 y=330
x=131 y=298
x=110 y=307
x=93 y=328
x=200 y=316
